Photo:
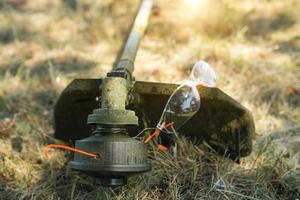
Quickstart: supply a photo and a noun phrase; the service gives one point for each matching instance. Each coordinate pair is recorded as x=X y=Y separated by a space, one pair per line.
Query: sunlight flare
x=194 y=4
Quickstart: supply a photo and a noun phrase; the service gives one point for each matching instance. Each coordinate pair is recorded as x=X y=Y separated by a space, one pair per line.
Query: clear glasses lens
x=184 y=103
x=203 y=74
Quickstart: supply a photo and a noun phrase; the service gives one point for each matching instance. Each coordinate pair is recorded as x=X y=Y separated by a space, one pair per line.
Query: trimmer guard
x=223 y=123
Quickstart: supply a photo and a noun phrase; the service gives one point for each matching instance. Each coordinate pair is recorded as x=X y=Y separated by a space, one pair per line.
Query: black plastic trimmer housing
x=120 y=156
x=126 y=107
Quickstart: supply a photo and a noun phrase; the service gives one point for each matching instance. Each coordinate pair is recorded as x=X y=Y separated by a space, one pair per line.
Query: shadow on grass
x=15 y=4
x=11 y=68
x=62 y=66
x=265 y=25
x=64 y=183
x=45 y=98
x=7 y=192
x=14 y=33
x=290 y=46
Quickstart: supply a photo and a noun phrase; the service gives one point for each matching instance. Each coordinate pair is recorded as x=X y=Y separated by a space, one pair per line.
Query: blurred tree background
x=253 y=45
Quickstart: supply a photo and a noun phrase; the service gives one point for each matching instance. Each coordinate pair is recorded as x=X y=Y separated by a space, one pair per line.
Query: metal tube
x=127 y=58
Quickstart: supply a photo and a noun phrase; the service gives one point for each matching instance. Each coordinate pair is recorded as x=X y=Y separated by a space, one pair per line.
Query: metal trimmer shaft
x=127 y=58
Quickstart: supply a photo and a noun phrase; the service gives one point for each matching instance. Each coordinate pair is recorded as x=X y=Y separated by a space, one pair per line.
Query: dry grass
x=253 y=45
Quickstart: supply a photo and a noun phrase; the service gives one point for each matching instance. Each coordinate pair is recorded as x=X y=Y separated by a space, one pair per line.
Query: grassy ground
x=253 y=45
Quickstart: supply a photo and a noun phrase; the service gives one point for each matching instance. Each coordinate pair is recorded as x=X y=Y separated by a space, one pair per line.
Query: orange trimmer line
x=60 y=146
x=163 y=148
x=157 y=132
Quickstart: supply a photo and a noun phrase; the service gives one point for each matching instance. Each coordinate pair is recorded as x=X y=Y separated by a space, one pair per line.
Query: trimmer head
x=121 y=156
x=219 y=121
